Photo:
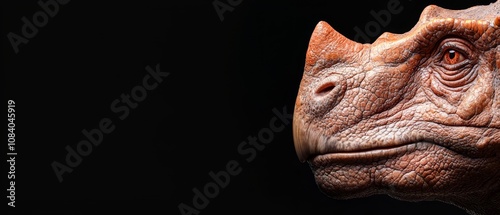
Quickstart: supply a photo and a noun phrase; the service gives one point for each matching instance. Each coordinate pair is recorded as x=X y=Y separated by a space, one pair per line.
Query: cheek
x=417 y=171
x=478 y=97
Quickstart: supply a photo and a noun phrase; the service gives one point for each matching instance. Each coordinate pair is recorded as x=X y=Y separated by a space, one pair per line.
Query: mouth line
x=368 y=154
x=311 y=142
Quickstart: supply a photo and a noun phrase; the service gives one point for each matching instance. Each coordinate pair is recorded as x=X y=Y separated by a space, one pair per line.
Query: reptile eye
x=455 y=60
x=453 y=57
x=454 y=54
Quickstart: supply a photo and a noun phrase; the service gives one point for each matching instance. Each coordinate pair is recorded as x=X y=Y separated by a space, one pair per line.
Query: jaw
x=413 y=172
x=419 y=171
x=346 y=175
x=412 y=168
x=407 y=160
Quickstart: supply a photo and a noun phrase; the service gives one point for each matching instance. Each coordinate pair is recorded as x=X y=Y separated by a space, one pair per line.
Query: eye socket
x=453 y=57
x=455 y=54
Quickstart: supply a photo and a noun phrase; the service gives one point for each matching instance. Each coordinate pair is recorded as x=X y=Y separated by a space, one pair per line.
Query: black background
x=225 y=79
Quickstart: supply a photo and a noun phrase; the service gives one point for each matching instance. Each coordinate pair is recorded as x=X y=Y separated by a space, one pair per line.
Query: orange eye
x=452 y=57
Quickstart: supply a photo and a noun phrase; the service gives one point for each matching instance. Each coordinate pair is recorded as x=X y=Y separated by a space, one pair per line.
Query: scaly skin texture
x=415 y=116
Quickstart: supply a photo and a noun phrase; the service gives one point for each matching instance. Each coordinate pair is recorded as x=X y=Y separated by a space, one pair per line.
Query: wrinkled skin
x=415 y=116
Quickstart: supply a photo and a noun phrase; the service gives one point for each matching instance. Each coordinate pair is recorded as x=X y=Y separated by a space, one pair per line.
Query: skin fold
x=415 y=116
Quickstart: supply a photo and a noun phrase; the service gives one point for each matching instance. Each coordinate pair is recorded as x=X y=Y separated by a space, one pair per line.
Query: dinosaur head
x=414 y=115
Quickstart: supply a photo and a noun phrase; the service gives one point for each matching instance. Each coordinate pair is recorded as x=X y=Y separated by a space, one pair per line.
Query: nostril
x=327 y=93
x=325 y=88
